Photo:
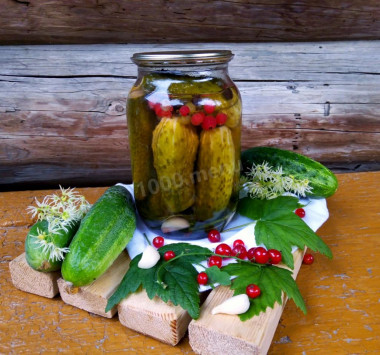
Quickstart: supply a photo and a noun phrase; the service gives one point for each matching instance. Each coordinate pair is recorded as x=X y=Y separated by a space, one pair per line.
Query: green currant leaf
x=130 y=283
x=196 y=253
x=179 y=276
x=215 y=275
x=271 y=280
x=278 y=227
x=182 y=285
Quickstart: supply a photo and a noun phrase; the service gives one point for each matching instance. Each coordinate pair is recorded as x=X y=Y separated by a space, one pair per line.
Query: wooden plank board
x=216 y=334
x=155 y=318
x=94 y=297
x=58 y=104
x=26 y=279
x=123 y=21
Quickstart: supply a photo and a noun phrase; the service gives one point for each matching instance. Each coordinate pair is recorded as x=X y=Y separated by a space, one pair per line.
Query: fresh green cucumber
x=102 y=236
x=40 y=258
x=323 y=182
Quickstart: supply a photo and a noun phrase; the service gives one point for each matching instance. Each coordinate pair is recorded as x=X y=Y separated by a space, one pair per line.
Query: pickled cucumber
x=174 y=148
x=233 y=112
x=141 y=122
x=216 y=169
x=181 y=84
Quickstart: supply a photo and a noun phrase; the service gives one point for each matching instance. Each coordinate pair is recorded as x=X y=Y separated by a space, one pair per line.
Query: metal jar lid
x=182 y=58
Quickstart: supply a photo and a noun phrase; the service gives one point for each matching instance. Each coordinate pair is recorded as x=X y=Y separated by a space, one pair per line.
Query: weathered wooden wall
x=62 y=108
x=135 y=21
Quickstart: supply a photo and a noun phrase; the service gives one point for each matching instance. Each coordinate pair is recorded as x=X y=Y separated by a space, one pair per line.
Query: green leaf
x=178 y=275
x=181 y=279
x=272 y=281
x=197 y=253
x=215 y=275
x=130 y=283
x=251 y=208
x=279 y=228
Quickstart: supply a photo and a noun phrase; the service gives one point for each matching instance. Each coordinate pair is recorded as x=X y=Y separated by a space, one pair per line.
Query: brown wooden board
x=60 y=104
x=33 y=21
x=342 y=294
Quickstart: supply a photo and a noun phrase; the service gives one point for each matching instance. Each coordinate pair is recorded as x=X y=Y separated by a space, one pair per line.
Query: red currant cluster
x=258 y=254
x=205 y=117
x=158 y=242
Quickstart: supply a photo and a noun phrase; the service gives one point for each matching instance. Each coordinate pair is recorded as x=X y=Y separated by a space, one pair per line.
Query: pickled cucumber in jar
x=184 y=125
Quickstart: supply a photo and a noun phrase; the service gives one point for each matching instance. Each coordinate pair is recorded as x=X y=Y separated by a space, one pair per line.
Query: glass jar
x=184 y=124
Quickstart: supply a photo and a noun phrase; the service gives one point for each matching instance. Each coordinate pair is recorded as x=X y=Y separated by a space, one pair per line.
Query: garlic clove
x=235 y=305
x=149 y=258
x=174 y=224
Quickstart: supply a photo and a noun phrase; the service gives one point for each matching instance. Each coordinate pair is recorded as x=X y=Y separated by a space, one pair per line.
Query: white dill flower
x=54 y=253
x=265 y=182
x=61 y=212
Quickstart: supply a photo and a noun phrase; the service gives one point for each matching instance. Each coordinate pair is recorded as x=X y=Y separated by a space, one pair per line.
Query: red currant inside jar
x=184 y=124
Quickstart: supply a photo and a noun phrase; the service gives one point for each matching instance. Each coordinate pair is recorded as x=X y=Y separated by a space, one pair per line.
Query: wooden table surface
x=342 y=295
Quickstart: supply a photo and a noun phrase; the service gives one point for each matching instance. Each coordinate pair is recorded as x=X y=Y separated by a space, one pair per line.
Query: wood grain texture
x=28 y=280
x=94 y=297
x=221 y=333
x=341 y=294
x=105 y=21
x=155 y=318
x=62 y=108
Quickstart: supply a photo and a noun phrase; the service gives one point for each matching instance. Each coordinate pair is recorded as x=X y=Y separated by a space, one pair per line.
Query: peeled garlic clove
x=235 y=305
x=174 y=224
x=149 y=258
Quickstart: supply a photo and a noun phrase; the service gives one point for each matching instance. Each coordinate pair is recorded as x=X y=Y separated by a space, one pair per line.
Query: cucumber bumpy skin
x=102 y=236
x=36 y=257
x=323 y=182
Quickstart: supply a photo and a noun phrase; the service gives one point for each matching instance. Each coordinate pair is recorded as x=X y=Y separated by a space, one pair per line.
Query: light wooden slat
x=94 y=297
x=28 y=280
x=221 y=333
x=155 y=318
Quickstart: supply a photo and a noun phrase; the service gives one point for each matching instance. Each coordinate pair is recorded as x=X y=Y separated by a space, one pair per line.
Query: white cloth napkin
x=316 y=214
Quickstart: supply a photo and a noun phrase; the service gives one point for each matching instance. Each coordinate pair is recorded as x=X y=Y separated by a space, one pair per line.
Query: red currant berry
x=158 y=109
x=221 y=118
x=184 y=110
x=253 y=291
x=215 y=261
x=260 y=255
x=210 y=108
x=223 y=249
x=209 y=122
x=197 y=118
x=213 y=236
x=158 y=242
x=239 y=251
x=274 y=256
x=166 y=113
x=300 y=212
x=238 y=242
x=250 y=253
x=202 y=278
x=308 y=259
x=170 y=254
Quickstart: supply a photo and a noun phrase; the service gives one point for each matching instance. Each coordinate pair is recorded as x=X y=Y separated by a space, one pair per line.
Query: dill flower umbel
x=61 y=212
x=265 y=182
